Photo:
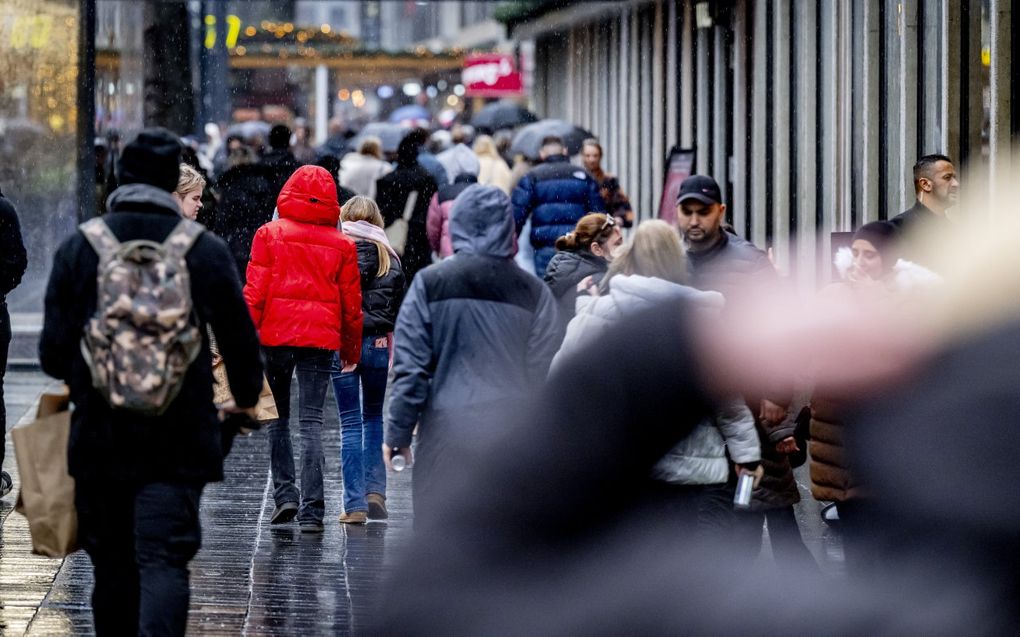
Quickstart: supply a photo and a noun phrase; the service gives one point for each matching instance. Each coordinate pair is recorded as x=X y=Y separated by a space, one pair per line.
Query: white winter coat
x=360 y=172
x=700 y=458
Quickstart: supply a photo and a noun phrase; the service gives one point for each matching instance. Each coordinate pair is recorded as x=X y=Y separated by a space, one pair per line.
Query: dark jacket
x=438 y=226
x=280 y=164
x=247 y=201
x=557 y=193
x=831 y=478
x=380 y=295
x=185 y=443
x=391 y=195
x=13 y=257
x=474 y=337
x=916 y=224
x=565 y=271
x=729 y=265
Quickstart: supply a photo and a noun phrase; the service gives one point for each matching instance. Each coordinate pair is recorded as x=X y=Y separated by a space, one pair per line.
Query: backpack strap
x=101 y=238
x=182 y=237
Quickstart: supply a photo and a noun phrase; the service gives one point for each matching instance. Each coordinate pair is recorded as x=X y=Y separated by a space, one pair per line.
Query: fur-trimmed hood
x=904 y=276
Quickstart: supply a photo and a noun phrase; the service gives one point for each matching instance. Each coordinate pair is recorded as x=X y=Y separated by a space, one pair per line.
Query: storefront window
x=38 y=130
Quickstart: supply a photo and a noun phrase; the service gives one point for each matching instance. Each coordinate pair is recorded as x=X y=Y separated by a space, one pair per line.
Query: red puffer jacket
x=303 y=286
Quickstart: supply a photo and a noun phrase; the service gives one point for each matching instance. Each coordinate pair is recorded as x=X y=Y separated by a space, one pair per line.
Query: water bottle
x=742 y=496
x=398 y=461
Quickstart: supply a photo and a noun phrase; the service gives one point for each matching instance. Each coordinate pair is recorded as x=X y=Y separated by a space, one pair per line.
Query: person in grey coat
x=473 y=340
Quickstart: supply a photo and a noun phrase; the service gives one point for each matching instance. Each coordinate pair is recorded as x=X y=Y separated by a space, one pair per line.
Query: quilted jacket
x=303 y=286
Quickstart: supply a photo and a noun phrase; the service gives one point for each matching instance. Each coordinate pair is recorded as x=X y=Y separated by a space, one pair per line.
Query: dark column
x=86 y=110
x=216 y=105
x=167 y=68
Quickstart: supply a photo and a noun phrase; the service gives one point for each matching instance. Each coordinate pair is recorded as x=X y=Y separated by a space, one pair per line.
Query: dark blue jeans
x=5 y=342
x=359 y=400
x=140 y=538
x=313 y=369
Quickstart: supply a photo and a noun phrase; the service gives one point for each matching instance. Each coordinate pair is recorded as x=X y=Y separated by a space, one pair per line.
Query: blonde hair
x=654 y=250
x=361 y=208
x=484 y=146
x=371 y=145
x=189 y=180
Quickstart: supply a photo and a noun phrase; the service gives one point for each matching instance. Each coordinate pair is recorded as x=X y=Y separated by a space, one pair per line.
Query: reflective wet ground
x=251 y=578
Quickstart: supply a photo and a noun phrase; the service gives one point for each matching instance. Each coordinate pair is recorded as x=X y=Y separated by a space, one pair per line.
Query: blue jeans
x=313 y=368
x=359 y=399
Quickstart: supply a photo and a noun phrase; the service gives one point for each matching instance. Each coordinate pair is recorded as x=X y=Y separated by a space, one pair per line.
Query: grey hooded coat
x=474 y=337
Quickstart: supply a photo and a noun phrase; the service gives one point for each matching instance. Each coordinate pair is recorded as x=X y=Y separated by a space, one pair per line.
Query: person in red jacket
x=304 y=293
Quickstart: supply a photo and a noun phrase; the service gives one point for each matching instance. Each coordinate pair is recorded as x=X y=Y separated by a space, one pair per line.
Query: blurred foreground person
x=139 y=478
x=552 y=502
x=473 y=341
x=360 y=391
x=304 y=293
x=554 y=196
x=937 y=189
x=188 y=193
x=13 y=262
x=617 y=203
x=584 y=252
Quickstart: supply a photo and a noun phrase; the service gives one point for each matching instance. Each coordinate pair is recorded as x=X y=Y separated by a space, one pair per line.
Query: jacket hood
x=459 y=160
x=482 y=222
x=309 y=196
x=131 y=197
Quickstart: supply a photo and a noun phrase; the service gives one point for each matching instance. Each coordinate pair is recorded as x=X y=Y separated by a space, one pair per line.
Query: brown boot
x=354 y=517
x=376 y=506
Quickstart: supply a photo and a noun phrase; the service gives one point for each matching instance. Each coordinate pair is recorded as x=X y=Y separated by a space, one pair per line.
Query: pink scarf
x=368 y=232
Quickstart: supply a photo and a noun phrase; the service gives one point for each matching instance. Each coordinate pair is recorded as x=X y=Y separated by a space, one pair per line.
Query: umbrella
x=528 y=140
x=389 y=134
x=249 y=130
x=411 y=112
x=503 y=114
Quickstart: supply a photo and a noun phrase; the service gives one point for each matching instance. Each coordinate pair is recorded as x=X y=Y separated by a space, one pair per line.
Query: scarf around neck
x=367 y=232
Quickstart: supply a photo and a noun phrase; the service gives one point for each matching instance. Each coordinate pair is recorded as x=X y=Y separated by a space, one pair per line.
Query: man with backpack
x=13 y=261
x=128 y=305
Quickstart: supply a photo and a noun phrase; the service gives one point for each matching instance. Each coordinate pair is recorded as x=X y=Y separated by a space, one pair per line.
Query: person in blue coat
x=555 y=194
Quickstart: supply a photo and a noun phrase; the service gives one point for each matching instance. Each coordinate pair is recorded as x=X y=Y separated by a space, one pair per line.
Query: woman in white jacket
x=694 y=476
x=359 y=171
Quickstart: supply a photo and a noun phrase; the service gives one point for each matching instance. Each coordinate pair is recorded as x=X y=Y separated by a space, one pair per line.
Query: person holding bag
x=360 y=391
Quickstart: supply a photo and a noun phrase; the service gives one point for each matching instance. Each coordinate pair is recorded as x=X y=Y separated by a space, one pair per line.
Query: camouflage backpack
x=141 y=340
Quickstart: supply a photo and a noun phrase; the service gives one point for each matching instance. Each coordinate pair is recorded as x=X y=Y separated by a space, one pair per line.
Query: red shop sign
x=491 y=75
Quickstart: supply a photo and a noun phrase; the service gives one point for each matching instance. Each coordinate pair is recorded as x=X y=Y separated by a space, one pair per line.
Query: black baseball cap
x=700 y=188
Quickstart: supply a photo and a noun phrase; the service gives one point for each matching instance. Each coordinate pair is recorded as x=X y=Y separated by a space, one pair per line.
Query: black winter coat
x=391 y=195
x=186 y=443
x=565 y=271
x=246 y=204
x=280 y=165
x=380 y=296
x=13 y=257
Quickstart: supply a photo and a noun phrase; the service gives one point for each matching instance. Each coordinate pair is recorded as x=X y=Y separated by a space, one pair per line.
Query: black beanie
x=279 y=137
x=884 y=236
x=154 y=158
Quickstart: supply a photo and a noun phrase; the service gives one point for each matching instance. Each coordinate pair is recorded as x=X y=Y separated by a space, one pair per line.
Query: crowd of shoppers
x=301 y=268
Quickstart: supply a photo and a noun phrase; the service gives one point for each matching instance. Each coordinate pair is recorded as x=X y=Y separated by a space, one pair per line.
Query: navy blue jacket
x=557 y=193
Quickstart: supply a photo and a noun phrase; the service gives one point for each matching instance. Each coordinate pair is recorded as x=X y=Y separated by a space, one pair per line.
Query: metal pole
x=86 y=110
x=321 y=103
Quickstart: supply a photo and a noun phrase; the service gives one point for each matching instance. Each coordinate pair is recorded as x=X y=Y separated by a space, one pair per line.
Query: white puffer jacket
x=700 y=458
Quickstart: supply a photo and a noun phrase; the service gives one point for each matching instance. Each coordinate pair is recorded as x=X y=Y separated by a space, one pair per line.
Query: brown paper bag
x=46 y=497
x=265 y=408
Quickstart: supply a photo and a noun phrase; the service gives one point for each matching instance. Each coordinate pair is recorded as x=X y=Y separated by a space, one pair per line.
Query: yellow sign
x=233 y=31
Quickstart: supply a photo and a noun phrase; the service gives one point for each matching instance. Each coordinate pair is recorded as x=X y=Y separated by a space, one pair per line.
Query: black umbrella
x=528 y=140
x=389 y=134
x=503 y=114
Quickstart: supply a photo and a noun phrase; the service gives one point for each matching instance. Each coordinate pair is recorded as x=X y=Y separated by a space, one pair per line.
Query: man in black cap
x=13 y=261
x=139 y=478
x=720 y=260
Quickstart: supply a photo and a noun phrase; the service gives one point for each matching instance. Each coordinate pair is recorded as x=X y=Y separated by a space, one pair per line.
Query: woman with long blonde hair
x=361 y=428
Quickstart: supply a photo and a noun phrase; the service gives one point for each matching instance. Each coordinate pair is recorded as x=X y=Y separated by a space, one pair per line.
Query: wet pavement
x=249 y=577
